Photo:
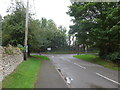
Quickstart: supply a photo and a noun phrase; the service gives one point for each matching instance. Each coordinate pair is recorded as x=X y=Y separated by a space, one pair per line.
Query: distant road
x=84 y=74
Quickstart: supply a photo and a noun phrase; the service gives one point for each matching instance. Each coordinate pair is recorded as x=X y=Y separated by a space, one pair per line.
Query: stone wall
x=9 y=62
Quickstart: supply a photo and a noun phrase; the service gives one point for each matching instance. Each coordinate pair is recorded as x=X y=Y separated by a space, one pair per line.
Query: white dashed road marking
x=107 y=78
x=80 y=66
x=69 y=80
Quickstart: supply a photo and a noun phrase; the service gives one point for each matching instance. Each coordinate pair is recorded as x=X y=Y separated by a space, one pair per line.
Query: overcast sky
x=50 y=9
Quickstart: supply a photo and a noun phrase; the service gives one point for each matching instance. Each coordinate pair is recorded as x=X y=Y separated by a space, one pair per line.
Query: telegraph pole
x=26 y=31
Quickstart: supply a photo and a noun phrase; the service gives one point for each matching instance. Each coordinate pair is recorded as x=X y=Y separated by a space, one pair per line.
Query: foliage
x=11 y=50
x=25 y=75
x=41 y=33
x=97 y=25
x=22 y=48
x=44 y=34
x=13 y=26
x=115 y=57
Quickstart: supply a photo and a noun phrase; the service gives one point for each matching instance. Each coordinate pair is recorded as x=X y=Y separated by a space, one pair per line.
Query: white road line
x=108 y=78
x=80 y=66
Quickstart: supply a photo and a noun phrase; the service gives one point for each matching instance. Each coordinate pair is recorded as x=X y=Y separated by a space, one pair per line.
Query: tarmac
x=49 y=77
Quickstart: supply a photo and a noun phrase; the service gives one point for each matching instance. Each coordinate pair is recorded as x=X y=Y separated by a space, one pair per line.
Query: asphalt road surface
x=83 y=74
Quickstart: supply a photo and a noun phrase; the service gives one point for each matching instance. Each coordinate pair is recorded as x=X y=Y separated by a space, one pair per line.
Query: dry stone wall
x=8 y=63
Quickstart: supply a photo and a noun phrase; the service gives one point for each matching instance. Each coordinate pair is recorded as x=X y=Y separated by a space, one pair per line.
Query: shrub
x=22 y=48
x=115 y=57
x=11 y=50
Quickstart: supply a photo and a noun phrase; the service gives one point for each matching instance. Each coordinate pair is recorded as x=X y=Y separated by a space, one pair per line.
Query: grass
x=59 y=52
x=25 y=75
x=98 y=60
x=67 y=52
x=41 y=57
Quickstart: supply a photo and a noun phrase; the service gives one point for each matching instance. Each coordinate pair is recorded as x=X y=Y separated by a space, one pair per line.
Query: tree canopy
x=97 y=24
x=42 y=33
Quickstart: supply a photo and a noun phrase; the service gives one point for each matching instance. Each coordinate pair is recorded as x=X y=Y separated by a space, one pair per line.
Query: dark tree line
x=97 y=25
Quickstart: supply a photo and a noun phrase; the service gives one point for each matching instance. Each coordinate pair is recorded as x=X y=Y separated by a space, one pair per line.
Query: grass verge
x=59 y=52
x=69 y=52
x=98 y=60
x=41 y=57
x=25 y=75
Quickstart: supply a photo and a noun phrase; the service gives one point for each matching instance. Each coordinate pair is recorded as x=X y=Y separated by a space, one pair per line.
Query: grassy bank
x=25 y=75
x=98 y=60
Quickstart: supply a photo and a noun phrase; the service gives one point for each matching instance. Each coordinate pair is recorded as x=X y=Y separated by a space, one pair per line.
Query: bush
x=103 y=54
x=11 y=50
x=22 y=48
x=115 y=57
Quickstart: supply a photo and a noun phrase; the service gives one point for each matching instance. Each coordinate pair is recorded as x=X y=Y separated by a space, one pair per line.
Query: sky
x=50 y=9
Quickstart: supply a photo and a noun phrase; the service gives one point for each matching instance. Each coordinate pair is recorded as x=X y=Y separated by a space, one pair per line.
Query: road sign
x=26 y=48
x=49 y=49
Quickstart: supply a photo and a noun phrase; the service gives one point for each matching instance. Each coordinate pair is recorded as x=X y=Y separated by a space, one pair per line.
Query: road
x=84 y=74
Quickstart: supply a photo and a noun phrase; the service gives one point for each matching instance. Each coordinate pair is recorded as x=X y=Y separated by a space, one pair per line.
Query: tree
x=41 y=33
x=13 y=26
x=100 y=20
